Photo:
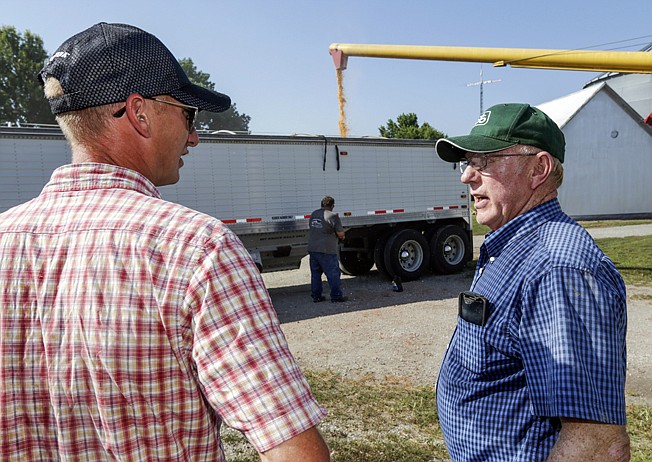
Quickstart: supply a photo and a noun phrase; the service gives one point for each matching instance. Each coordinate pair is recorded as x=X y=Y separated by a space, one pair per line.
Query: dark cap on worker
x=503 y=126
x=107 y=62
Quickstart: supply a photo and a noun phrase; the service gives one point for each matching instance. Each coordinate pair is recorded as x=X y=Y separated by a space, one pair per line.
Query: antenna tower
x=481 y=82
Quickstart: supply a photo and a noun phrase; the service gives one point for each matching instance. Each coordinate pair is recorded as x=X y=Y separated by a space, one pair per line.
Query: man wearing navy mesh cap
x=535 y=370
x=132 y=328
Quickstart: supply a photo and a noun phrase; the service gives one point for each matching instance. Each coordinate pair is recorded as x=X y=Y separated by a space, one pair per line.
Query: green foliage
x=407 y=127
x=21 y=97
x=230 y=119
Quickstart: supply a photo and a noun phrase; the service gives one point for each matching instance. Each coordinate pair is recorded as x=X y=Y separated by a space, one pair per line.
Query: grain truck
x=404 y=210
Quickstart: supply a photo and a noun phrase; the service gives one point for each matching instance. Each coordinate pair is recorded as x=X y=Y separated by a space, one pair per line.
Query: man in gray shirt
x=325 y=229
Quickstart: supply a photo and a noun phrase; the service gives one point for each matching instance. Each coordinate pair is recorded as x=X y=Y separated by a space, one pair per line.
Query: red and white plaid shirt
x=131 y=327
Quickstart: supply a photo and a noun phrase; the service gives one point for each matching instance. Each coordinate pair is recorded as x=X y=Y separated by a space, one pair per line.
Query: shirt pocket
x=470 y=348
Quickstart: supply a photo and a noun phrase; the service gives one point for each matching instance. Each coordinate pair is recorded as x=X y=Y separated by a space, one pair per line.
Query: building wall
x=608 y=162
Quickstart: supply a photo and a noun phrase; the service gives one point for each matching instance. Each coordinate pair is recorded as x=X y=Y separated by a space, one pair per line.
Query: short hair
x=556 y=175
x=84 y=125
x=327 y=201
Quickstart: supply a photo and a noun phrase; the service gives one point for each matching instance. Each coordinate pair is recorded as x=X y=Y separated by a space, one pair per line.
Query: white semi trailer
x=403 y=208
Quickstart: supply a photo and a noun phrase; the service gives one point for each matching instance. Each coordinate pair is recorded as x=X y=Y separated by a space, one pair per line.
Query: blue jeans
x=324 y=263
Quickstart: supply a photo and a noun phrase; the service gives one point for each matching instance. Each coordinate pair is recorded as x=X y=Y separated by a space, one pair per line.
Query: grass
x=639 y=426
x=610 y=223
x=632 y=256
x=393 y=421
x=369 y=420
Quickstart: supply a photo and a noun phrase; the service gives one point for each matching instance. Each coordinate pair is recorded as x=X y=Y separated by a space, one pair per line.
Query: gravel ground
x=405 y=334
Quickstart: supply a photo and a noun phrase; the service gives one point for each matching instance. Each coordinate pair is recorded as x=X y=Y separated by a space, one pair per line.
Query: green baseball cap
x=502 y=126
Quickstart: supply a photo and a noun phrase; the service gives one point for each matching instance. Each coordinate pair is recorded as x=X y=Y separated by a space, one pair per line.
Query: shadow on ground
x=367 y=292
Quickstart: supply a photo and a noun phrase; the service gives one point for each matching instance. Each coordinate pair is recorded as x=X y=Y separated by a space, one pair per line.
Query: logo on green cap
x=484 y=118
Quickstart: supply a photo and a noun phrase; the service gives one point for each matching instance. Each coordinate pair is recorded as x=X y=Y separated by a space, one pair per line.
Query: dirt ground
x=405 y=334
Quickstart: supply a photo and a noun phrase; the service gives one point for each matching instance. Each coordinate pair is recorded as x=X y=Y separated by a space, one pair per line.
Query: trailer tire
x=379 y=253
x=355 y=263
x=450 y=250
x=407 y=255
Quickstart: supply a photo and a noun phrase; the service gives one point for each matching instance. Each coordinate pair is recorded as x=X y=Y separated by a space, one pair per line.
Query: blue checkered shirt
x=553 y=345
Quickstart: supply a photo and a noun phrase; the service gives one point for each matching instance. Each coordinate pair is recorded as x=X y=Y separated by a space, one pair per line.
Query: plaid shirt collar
x=89 y=176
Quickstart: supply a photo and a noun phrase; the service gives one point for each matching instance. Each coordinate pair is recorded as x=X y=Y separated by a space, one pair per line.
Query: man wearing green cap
x=536 y=367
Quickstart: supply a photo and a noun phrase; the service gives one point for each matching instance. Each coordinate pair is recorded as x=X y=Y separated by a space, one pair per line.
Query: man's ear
x=541 y=169
x=137 y=115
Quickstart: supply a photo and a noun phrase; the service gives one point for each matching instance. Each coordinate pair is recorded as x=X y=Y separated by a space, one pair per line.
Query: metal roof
x=562 y=110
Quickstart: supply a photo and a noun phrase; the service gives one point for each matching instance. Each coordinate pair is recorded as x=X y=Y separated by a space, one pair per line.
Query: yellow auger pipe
x=636 y=62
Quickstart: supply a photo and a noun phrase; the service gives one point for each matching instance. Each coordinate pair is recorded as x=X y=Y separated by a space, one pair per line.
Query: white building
x=608 y=164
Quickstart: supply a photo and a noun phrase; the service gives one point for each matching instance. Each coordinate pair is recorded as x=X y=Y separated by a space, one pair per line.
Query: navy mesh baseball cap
x=107 y=62
x=502 y=126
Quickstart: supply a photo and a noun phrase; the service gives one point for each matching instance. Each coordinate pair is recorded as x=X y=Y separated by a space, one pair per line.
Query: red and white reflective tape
x=448 y=207
x=242 y=220
x=308 y=215
x=346 y=214
x=384 y=212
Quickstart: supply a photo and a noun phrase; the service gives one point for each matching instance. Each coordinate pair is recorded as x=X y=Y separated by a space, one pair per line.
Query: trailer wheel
x=355 y=263
x=407 y=255
x=450 y=249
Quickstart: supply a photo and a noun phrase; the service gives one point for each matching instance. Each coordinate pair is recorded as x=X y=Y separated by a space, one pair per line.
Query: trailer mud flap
x=283 y=251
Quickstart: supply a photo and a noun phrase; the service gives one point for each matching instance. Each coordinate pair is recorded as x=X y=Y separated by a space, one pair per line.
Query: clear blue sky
x=271 y=56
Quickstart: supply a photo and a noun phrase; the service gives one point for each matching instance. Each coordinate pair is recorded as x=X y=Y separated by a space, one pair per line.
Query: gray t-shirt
x=324 y=225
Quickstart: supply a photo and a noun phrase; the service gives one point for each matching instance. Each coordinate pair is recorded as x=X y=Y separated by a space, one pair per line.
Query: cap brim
x=454 y=149
x=203 y=98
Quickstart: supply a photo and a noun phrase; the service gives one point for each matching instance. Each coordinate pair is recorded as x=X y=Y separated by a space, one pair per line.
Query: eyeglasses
x=189 y=111
x=479 y=162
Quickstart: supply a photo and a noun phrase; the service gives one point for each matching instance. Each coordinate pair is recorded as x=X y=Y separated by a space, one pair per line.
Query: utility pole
x=481 y=82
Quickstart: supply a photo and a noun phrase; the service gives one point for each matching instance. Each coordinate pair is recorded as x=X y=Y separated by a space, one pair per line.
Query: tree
x=230 y=119
x=21 y=97
x=407 y=127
